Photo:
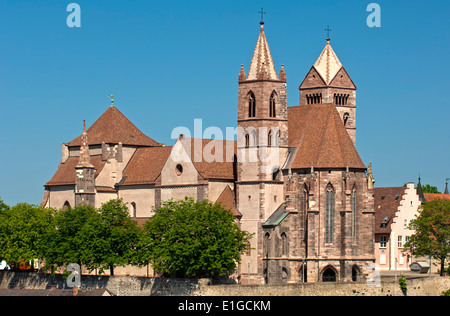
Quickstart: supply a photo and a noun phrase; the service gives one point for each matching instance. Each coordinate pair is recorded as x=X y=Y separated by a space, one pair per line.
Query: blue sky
x=170 y=62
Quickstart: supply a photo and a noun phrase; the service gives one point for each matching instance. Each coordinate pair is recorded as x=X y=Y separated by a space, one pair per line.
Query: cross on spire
x=328 y=30
x=262 y=15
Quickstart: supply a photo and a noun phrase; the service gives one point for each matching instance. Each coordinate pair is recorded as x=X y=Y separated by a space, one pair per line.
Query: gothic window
x=251 y=105
x=284 y=241
x=269 y=139
x=329 y=275
x=329 y=214
x=266 y=244
x=66 y=205
x=272 y=107
x=247 y=140
x=254 y=138
x=353 y=205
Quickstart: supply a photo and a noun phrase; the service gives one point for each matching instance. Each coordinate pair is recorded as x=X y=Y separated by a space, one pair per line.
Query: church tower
x=328 y=82
x=84 y=174
x=262 y=148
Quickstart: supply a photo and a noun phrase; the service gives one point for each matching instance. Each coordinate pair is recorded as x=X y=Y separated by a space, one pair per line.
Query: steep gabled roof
x=113 y=128
x=387 y=202
x=320 y=138
x=145 y=166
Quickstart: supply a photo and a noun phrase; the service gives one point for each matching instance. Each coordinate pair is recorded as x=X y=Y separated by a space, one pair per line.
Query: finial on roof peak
x=112 y=100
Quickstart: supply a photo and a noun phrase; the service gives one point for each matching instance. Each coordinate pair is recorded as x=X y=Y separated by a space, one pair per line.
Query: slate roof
x=387 y=201
x=320 y=138
x=113 y=128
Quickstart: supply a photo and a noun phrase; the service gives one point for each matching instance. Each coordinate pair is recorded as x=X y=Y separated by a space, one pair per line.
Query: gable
x=342 y=80
x=312 y=80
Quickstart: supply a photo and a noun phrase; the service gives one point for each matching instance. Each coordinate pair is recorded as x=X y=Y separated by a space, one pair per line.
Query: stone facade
x=293 y=178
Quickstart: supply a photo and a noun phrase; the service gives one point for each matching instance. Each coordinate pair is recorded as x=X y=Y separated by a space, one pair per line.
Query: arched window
x=329 y=275
x=346 y=117
x=266 y=244
x=133 y=210
x=247 y=140
x=66 y=205
x=272 y=107
x=284 y=245
x=353 y=205
x=329 y=214
x=269 y=139
x=251 y=105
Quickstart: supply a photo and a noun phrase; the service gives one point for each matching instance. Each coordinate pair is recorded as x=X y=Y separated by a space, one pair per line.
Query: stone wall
x=132 y=286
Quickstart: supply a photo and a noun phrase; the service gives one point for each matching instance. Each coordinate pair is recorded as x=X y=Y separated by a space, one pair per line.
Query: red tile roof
x=113 y=128
x=320 y=138
x=387 y=201
x=145 y=165
x=433 y=196
x=221 y=167
x=228 y=201
x=65 y=175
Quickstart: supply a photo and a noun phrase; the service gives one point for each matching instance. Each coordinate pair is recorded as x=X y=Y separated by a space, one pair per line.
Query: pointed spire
x=446 y=186
x=420 y=192
x=242 y=75
x=262 y=66
x=85 y=158
x=282 y=74
x=328 y=64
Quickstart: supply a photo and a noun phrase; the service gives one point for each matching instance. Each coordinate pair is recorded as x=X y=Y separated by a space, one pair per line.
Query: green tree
x=64 y=244
x=3 y=206
x=432 y=232
x=430 y=189
x=110 y=238
x=23 y=228
x=193 y=239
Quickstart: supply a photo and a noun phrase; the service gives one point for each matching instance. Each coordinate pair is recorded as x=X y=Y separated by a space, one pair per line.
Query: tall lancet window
x=329 y=214
x=251 y=105
x=272 y=107
x=353 y=201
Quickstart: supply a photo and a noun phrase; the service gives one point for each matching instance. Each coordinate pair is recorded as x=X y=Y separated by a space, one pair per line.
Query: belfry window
x=251 y=105
x=315 y=98
x=272 y=107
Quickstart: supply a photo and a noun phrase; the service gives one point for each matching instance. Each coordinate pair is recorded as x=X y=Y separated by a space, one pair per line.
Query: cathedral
x=293 y=177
